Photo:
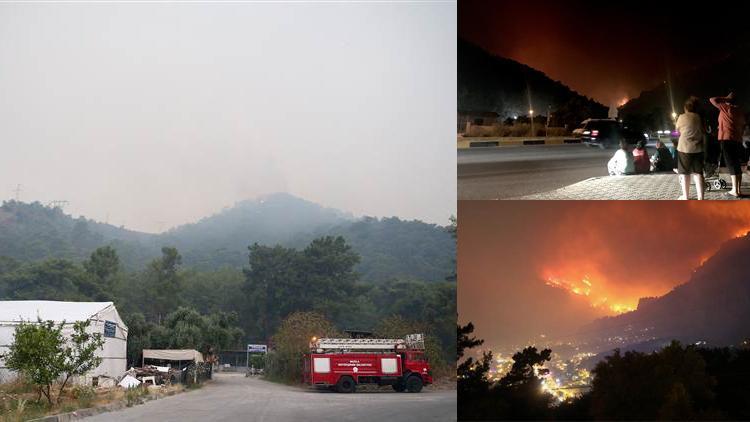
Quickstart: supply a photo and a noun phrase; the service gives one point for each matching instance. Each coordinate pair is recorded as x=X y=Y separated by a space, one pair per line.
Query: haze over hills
x=712 y=306
x=389 y=247
x=652 y=109
x=491 y=83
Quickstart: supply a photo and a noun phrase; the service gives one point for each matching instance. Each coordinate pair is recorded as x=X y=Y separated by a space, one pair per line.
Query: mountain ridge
x=488 y=82
x=32 y=231
x=713 y=305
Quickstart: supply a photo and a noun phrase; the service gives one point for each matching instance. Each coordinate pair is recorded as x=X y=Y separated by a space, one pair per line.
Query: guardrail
x=485 y=142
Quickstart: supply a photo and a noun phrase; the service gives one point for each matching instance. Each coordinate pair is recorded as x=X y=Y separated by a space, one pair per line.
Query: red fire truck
x=342 y=363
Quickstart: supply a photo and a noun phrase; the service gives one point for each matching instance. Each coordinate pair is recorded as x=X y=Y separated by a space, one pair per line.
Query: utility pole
x=17 y=191
x=531 y=108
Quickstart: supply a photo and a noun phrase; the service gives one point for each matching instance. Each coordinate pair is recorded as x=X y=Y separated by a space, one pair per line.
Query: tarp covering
x=173 y=354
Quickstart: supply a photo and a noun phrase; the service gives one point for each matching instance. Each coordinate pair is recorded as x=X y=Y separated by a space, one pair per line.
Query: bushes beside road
x=515 y=130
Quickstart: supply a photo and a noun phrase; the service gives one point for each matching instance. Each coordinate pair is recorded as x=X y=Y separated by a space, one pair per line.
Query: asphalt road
x=506 y=172
x=233 y=397
x=512 y=171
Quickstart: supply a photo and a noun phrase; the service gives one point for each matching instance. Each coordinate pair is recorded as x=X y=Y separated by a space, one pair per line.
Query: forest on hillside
x=491 y=83
x=384 y=273
x=388 y=247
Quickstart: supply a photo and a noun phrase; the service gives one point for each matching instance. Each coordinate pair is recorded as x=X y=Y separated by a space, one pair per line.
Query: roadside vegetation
x=517 y=128
x=45 y=358
x=18 y=399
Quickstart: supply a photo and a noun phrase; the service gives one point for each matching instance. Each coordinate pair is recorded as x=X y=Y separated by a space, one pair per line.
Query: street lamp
x=531 y=115
x=674 y=115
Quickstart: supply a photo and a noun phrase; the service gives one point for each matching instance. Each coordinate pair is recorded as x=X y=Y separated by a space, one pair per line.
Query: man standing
x=731 y=124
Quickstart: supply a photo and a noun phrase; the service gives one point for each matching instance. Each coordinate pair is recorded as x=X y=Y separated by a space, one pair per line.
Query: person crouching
x=622 y=162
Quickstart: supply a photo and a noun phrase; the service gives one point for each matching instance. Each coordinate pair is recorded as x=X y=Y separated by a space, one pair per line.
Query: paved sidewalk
x=636 y=187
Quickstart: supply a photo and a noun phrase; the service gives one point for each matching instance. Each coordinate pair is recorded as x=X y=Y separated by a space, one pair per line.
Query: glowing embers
x=585 y=287
x=620 y=309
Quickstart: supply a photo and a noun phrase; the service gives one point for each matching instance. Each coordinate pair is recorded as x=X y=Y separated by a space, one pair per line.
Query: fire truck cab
x=341 y=364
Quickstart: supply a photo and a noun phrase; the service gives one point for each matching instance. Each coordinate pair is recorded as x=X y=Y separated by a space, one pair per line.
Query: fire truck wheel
x=346 y=385
x=414 y=384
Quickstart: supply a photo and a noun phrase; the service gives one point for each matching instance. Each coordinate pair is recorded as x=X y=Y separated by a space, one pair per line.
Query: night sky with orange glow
x=527 y=268
x=610 y=51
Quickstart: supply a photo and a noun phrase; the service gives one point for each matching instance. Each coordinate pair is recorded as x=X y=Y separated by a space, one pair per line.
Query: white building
x=104 y=319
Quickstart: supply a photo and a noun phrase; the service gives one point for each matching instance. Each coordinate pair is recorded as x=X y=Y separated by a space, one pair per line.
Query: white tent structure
x=104 y=319
x=173 y=354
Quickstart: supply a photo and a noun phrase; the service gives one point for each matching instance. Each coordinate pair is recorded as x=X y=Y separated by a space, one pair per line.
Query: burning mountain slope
x=713 y=306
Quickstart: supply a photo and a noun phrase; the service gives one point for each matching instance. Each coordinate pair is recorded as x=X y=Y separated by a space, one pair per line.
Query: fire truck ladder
x=413 y=341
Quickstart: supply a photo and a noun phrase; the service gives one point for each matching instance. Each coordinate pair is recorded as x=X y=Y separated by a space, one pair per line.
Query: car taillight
x=594 y=133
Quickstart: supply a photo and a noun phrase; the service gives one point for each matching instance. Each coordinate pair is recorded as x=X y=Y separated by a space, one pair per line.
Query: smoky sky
x=628 y=249
x=157 y=114
x=606 y=50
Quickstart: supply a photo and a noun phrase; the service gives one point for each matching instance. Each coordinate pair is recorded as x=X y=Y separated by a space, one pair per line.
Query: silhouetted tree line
x=678 y=382
x=491 y=83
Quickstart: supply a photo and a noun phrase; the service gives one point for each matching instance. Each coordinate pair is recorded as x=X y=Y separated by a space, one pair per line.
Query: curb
x=646 y=187
x=81 y=413
x=92 y=411
x=466 y=143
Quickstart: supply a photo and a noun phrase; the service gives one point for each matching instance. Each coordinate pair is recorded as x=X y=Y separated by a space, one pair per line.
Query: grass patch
x=18 y=402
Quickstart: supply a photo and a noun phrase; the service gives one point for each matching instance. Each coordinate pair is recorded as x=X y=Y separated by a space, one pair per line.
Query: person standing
x=731 y=125
x=690 y=149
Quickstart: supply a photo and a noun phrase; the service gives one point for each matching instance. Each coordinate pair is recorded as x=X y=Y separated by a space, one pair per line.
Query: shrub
x=43 y=355
x=133 y=395
x=398 y=327
x=557 y=131
x=292 y=340
x=84 y=394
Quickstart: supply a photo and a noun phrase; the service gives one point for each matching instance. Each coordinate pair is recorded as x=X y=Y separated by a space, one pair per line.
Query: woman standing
x=731 y=125
x=690 y=149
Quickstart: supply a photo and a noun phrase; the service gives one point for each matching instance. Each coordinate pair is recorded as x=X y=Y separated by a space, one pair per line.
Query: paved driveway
x=233 y=397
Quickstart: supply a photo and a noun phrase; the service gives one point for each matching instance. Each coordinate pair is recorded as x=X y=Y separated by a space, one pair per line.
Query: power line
x=57 y=203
